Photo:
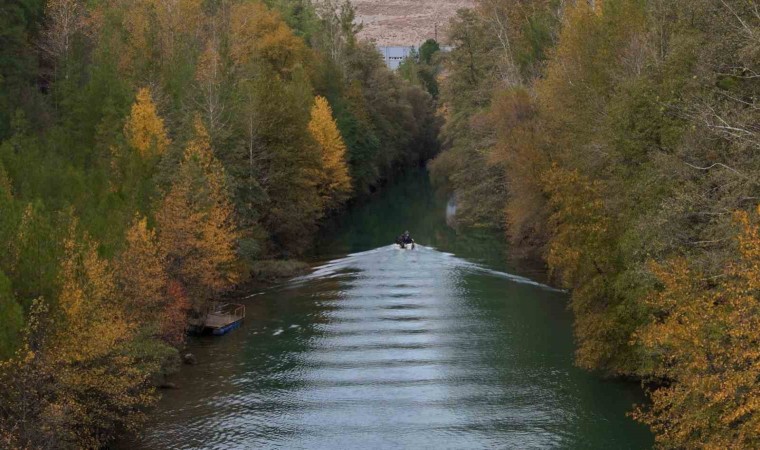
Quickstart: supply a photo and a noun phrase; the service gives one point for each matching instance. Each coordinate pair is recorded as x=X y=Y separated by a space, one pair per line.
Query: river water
x=446 y=346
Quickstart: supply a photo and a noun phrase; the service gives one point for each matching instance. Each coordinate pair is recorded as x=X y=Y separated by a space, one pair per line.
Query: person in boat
x=405 y=239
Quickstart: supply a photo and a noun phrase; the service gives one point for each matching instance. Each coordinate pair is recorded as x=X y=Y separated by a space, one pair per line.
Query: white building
x=394 y=56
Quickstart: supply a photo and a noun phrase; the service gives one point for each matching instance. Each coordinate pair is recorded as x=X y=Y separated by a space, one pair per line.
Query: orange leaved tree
x=197 y=229
x=145 y=129
x=707 y=333
x=261 y=35
x=335 y=181
x=140 y=271
x=159 y=305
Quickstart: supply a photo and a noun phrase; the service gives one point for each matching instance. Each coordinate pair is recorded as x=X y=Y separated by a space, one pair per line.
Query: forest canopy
x=152 y=152
x=619 y=141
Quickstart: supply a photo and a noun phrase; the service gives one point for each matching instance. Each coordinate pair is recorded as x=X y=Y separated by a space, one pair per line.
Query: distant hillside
x=406 y=22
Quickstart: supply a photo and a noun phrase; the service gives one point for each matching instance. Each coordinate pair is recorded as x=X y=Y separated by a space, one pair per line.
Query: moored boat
x=220 y=319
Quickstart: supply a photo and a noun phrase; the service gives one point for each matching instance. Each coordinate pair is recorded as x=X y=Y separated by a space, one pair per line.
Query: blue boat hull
x=227 y=328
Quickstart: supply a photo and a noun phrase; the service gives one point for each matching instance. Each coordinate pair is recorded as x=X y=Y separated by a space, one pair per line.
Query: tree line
x=619 y=140
x=151 y=153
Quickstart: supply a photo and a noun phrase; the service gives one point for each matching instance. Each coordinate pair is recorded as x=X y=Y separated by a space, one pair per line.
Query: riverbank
x=149 y=153
x=635 y=173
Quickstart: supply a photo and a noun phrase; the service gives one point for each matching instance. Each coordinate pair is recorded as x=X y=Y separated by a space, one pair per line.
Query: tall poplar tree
x=335 y=182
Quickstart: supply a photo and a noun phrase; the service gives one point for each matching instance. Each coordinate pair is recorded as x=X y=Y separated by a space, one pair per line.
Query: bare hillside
x=406 y=22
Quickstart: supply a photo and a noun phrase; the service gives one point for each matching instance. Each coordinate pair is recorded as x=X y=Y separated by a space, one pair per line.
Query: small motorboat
x=405 y=242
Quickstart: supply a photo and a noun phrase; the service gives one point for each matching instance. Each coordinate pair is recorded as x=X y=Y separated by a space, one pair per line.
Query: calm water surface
x=447 y=346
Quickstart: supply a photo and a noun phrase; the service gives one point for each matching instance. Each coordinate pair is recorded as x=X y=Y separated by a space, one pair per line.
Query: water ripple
x=388 y=349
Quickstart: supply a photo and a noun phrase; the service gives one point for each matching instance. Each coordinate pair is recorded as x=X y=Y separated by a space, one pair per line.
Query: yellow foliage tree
x=74 y=381
x=707 y=333
x=140 y=272
x=145 y=129
x=96 y=375
x=585 y=65
x=335 y=181
x=257 y=33
x=151 y=300
x=197 y=229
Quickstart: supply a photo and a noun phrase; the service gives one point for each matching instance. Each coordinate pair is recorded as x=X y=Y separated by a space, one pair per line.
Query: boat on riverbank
x=221 y=319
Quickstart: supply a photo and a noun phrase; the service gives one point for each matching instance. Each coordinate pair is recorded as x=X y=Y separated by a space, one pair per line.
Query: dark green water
x=440 y=347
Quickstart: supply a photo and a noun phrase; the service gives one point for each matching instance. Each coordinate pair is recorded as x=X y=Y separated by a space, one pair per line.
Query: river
x=446 y=346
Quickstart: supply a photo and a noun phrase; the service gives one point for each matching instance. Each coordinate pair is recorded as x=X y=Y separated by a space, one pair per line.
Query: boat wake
x=421 y=259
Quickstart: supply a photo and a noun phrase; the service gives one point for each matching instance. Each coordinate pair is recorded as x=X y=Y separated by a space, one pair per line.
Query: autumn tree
x=625 y=132
x=134 y=158
x=706 y=333
x=138 y=49
x=196 y=224
x=140 y=272
x=144 y=128
x=260 y=34
x=95 y=330
x=95 y=310
x=335 y=184
x=173 y=323
x=160 y=38
x=77 y=382
x=150 y=299
x=519 y=152
x=581 y=253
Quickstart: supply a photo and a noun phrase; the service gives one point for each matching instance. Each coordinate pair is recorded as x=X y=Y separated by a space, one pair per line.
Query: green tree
x=12 y=316
x=428 y=50
x=18 y=23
